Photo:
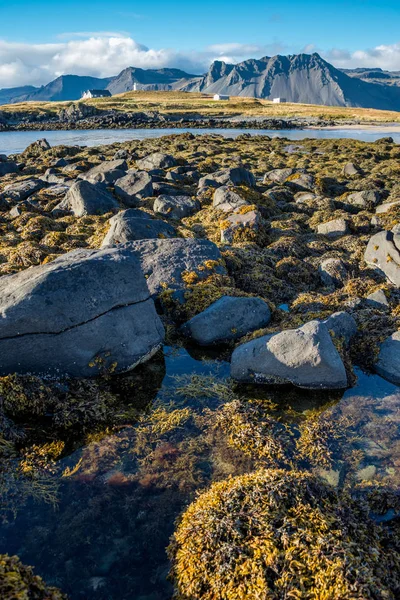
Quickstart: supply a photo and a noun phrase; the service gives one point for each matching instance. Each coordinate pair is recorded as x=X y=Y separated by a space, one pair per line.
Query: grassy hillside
x=181 y=102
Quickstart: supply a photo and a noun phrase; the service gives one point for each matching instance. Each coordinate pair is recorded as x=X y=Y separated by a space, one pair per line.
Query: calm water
x=106 y=539
x=16 y=141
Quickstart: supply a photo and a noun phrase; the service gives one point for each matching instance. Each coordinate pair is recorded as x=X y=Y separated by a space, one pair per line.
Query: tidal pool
x=103 y=526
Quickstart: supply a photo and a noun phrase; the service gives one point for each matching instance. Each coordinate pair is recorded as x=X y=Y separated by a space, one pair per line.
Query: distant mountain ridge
x=303 y=78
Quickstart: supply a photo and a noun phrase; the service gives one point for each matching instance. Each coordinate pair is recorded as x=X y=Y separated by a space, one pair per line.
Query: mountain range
x=303 y=78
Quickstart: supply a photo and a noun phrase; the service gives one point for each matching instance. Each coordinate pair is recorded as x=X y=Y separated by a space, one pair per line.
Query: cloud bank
x=104 y=54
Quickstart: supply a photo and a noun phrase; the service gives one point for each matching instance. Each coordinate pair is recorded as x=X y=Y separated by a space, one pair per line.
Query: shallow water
x=16 y=141
x=107 y=537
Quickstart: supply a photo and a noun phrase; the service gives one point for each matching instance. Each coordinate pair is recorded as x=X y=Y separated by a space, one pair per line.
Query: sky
x=42 y=39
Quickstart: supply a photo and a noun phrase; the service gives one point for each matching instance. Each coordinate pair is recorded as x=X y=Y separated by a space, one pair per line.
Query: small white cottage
x=221 y=97
x=279 y=100
x=96 y=94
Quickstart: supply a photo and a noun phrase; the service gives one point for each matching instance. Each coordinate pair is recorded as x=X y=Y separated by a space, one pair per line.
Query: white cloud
x=103 y=54
x=385 y=56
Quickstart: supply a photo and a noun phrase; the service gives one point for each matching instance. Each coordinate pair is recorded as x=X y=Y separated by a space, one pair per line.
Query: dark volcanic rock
x=81 y=313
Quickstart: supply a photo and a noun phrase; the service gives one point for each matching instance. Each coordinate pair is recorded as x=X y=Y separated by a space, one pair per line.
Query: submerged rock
x=133 y=224
x=229 y=318
x=86 y=311
x=305 y=357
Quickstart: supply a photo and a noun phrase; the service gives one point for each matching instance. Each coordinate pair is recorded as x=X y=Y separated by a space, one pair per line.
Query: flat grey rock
x=86 y=310
x=176 y=207
x=157 y=160
x=383 y=254
x=388 y=364
x=386 y=206
x=278 y=175
x=86 y=198
x=227 y=199
x=334 y=229
x=129 y=225
x=233 y=176
x=164 y=261
x=133 y=187
x=351 y=170
x=365 y=199
x=305 y=357
x=102 y=171
x=229 y=318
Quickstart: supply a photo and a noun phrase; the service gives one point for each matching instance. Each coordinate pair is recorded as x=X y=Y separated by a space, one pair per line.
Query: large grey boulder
x=227 y=199
x=383 y=254
x=107 y=171
x=305 y=357
x=132 y=224
x=83 y=312
x=228 y=318
x=234 y=176
x=133 y=187
x=86 y=198
x=158 y=160
x=176 y=207
x=8 y=167
x=388 y=364
x=16 y=192
x=165 y=261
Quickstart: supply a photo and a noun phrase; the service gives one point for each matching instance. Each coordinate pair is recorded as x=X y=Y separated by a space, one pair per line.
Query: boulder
x=176 y=207
x=107 y=171
x=86 y=198
x=341 y=325
x=365 y=199
x=334 y=229
x=133 y=187
x=132 y=224
x=301 y=182
x=377 y=300
x=53 y=176
x=228 y=318
x=388 y=364
x=158 y=160
x=278 y=175
x=234 y=176
x=16 y=192
x=227 y=199
x=164 y=261
x=333 y=272
x=351 y=170
x=83 y=312
x=383 y=254
x=241 y=225
x=8 y=167
x=305 y=357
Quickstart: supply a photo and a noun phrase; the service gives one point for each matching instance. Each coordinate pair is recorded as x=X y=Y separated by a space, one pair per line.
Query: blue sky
x=43 y=38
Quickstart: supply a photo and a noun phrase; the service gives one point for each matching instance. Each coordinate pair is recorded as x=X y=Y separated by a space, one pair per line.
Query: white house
x=221 y=97
x=96 y=94
x=279 y=100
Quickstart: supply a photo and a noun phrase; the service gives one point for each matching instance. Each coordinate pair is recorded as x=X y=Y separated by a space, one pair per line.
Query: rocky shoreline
x=281 y=261
x=81 y=116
